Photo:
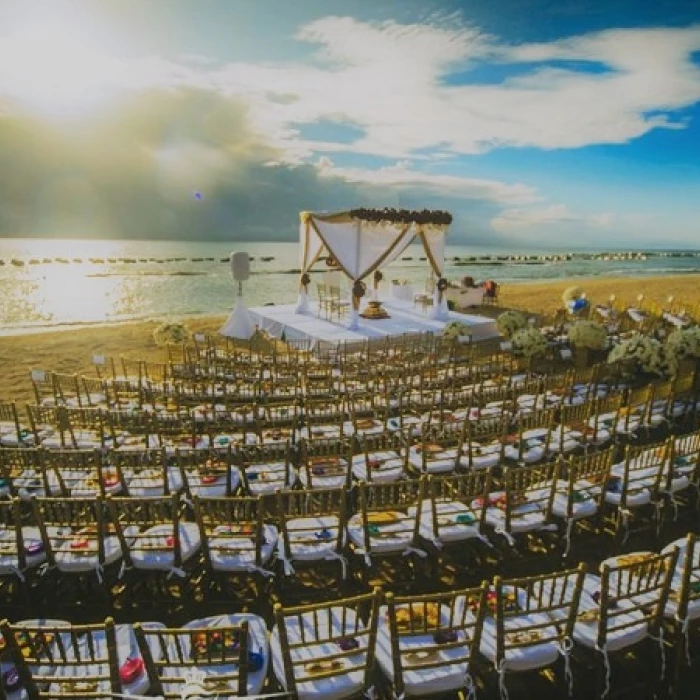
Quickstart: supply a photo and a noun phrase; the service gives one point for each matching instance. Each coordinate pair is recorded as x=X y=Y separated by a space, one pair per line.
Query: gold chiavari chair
x=94 y=392
x=12 y=432
x=77 y=473
x=380 y=457
x=22 y=552
x=327 y=647
x=57 y=662
x=208 y=473
x=383 y=533
x=267 y=468
x=86 y=428
x=145 y=472
x=49 y=426
x=325 y=463
x=623 y=610
x=683 y=607
x=437 y=451
x=21 y=472
x=529 y=624
x=633 y=492
x=522 y=509
x=82 y=549
x=160 y=549
x=213 y=656
x=426 y=644
x=684 y=470
x=534 y=439
x=450 y=523
x=311 y=545
x=237 y=544
x=580 y=492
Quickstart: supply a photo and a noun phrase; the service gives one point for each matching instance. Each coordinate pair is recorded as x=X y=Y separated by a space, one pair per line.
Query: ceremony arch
x=361 y=241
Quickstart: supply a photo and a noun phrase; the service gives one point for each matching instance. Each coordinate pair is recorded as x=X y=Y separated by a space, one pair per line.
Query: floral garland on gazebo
x=435 y=217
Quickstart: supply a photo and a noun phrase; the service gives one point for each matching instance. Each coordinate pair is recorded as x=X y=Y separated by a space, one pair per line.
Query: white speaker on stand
x=240 y=323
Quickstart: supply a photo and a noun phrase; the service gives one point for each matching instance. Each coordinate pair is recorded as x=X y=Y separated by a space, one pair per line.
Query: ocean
x=63 y=283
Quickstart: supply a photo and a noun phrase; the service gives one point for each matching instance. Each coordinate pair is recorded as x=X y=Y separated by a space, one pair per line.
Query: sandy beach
x=71 y=351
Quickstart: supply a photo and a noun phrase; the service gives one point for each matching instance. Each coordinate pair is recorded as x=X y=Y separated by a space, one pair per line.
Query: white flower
x=684 y=343
x=455 y=329
x=171 y=334
x=587 y=334
x=529 y=342
x=511 y=321
x=647 y=354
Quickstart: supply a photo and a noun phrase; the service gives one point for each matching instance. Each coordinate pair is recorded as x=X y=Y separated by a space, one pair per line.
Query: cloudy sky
x=536 y=122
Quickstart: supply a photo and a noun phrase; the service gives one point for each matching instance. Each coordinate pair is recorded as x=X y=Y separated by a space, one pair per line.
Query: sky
x=561 y=123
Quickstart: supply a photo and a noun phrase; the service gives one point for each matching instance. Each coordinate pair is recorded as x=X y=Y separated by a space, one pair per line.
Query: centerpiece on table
x=457 y=330
x=171 y=333
x=683 y=345
x=588 y=340
x=509 y=322
x=642 y=357
x=529 y=343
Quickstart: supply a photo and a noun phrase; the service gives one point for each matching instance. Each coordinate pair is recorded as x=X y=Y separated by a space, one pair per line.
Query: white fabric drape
x=360 y=247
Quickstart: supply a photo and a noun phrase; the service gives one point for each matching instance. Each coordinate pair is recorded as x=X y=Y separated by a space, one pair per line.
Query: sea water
x=50 y=283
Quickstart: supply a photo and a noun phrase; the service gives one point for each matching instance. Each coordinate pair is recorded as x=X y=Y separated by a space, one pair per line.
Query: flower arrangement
x=587 y=334
x=684 y=343
x=511 y=321
x=529 y=342
x=455 y=329
x=648 y=355
x=403 y=216
x=171 y=334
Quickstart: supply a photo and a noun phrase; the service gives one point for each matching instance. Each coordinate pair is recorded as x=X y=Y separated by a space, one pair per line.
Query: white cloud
x=401 y=175
x=532 y=218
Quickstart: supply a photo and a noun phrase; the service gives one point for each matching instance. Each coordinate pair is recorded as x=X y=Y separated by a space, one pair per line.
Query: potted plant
x=530 y=344
x=588 y=340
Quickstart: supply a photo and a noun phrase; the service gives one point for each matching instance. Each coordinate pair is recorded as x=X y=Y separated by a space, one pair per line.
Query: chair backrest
x=645 y=467
x=240 y=516
x=689 y=593
x=78 y=524
x=144 y=513
x=13 y=547
x=139 y=469
x=72 y=662
x=437 y=633
x=315 y=640
x=587 y=476
x=251 y=459
x=536 y=610
x=534 y=485
x=16 y=462
x=460 y=488
x=204 y=471
x=73 y=470
x=634 y=593
x=292 y=505
x=381 y=502
x=196 y=648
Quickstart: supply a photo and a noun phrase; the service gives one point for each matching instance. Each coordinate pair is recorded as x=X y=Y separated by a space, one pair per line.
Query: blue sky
x=536 y=122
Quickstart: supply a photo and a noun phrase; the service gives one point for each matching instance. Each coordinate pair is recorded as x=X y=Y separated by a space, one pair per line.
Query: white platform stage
x=282 y=320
